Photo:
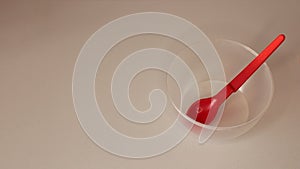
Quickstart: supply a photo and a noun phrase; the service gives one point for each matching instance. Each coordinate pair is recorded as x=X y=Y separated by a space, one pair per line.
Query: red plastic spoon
x=204 y=110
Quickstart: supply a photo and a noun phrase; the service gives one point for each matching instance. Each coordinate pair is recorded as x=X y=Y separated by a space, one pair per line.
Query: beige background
x=40 y=41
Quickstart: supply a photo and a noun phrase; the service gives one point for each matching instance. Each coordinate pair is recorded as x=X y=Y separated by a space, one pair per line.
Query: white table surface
x=40 y=41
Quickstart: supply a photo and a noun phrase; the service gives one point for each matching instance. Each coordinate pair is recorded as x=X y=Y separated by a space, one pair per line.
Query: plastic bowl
x=245 y=107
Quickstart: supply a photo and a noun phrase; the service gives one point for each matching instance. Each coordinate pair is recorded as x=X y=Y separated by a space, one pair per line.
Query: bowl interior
x=249 y=103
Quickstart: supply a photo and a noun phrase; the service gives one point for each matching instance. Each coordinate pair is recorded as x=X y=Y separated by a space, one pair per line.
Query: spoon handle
x=246 y=73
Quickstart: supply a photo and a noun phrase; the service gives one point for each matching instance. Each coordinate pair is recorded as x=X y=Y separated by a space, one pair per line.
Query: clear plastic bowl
x=244 y=108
